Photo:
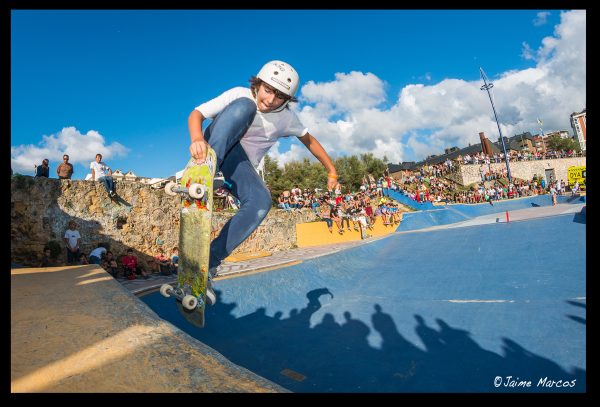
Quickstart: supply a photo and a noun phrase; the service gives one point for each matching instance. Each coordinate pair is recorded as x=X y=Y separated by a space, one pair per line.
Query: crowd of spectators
x=349 y=210
x=125 y=264
x=481 y=158
x=430 y=184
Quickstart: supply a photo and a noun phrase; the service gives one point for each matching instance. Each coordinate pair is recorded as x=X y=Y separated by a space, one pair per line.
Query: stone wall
x=522 y=169
x=144 y=219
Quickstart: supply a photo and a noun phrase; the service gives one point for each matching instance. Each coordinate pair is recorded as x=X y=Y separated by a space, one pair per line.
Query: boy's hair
x=255 y=84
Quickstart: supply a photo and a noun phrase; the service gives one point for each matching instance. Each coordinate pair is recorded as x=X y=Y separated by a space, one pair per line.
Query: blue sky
x=399 y=83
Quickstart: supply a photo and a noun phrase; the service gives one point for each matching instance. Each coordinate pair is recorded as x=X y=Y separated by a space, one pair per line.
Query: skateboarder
x=246 y=122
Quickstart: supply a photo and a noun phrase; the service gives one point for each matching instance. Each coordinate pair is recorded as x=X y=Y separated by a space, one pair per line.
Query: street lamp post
x=487 y=86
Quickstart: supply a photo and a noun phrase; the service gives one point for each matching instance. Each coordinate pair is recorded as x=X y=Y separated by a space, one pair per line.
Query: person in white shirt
x=72 y=238
x=102 y=172
x=96 y=254
x=246 y=122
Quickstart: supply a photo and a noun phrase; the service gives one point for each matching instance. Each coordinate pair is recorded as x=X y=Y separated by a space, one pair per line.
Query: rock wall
x=521 y=169
x=143 y=218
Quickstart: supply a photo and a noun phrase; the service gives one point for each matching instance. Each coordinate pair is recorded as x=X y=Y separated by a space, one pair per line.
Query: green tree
x=373 y=165
x=273 y=177
x=311 y=174
x=556 y=142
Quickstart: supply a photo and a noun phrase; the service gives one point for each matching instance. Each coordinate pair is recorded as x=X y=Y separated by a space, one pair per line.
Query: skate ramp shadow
x=335 y=356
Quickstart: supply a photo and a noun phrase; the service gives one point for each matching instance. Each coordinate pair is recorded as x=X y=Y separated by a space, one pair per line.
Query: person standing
x=102 y=172
x=65 y=169
x=72 y=239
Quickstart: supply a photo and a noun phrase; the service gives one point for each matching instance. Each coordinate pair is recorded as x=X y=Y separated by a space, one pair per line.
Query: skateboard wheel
x=189 y=302
x=166 y=290
x=169 y=188
x=196 y=191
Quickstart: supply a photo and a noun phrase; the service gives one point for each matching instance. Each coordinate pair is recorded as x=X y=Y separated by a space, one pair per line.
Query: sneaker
x=112 y=194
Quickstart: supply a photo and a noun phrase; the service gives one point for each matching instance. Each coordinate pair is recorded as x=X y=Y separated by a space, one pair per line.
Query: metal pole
x=487 y=86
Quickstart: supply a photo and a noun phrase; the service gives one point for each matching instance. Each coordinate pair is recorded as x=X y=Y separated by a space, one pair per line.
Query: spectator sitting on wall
x=43 y=170
x=102 y=172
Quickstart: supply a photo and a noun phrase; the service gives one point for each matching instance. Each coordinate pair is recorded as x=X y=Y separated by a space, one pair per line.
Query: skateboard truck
x=196 y=191
x=188 y=301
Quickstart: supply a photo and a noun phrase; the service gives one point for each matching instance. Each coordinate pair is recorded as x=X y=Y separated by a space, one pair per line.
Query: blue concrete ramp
x=494 y=308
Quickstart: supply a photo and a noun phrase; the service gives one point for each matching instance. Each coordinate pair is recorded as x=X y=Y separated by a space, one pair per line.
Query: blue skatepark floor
x=492 y=308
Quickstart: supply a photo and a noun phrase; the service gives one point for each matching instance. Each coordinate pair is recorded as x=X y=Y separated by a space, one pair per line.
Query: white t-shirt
x=72 y=235
x=264 y=130
x=97 y=252
x=100 y=169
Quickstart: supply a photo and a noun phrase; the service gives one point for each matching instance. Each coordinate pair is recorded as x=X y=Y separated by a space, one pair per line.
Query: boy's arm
x=198 y=146
x=319 y=152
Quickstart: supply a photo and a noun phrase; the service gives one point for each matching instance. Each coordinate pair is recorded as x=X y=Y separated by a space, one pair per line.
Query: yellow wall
x=316 y=233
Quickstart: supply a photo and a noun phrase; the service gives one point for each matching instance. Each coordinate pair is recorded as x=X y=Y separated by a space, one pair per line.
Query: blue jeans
x=108 y=183
x=224 y=135
x=73 y=257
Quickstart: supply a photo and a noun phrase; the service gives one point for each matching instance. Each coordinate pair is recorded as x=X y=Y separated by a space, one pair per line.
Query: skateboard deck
x=196 y=190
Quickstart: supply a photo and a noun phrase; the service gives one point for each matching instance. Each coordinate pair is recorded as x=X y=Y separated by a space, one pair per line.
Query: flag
x=541 y=123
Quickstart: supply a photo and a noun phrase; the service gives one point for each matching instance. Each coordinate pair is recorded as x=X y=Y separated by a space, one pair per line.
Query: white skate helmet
x=281 y=76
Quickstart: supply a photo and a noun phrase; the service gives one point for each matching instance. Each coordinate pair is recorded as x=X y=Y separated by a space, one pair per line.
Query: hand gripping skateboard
x=196 y=191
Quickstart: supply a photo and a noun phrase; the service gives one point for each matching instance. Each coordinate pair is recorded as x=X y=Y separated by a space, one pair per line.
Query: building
x=578 y=123
x=118 y=175
x=539 y=144
x=522 y=142
x=129 y=176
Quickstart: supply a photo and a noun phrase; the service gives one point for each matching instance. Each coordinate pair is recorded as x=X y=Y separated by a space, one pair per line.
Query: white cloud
x=81 y=148
x=346 y=116
x=541 y=18
x=295 y=153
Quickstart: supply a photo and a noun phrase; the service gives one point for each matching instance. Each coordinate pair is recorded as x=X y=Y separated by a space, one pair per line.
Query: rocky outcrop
x=142 y=218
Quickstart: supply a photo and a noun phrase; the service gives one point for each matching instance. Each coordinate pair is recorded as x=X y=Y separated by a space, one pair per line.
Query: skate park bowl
x=487 y=307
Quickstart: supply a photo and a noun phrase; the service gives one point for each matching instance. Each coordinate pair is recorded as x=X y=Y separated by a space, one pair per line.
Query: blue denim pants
x=224 y=135
x=108 y=183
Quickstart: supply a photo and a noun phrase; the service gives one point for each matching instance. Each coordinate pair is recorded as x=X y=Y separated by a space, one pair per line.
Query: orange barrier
x=317 y=234
x=247 y=256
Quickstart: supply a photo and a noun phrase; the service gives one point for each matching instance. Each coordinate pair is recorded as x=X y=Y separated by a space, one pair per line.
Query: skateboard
x=196 y=191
